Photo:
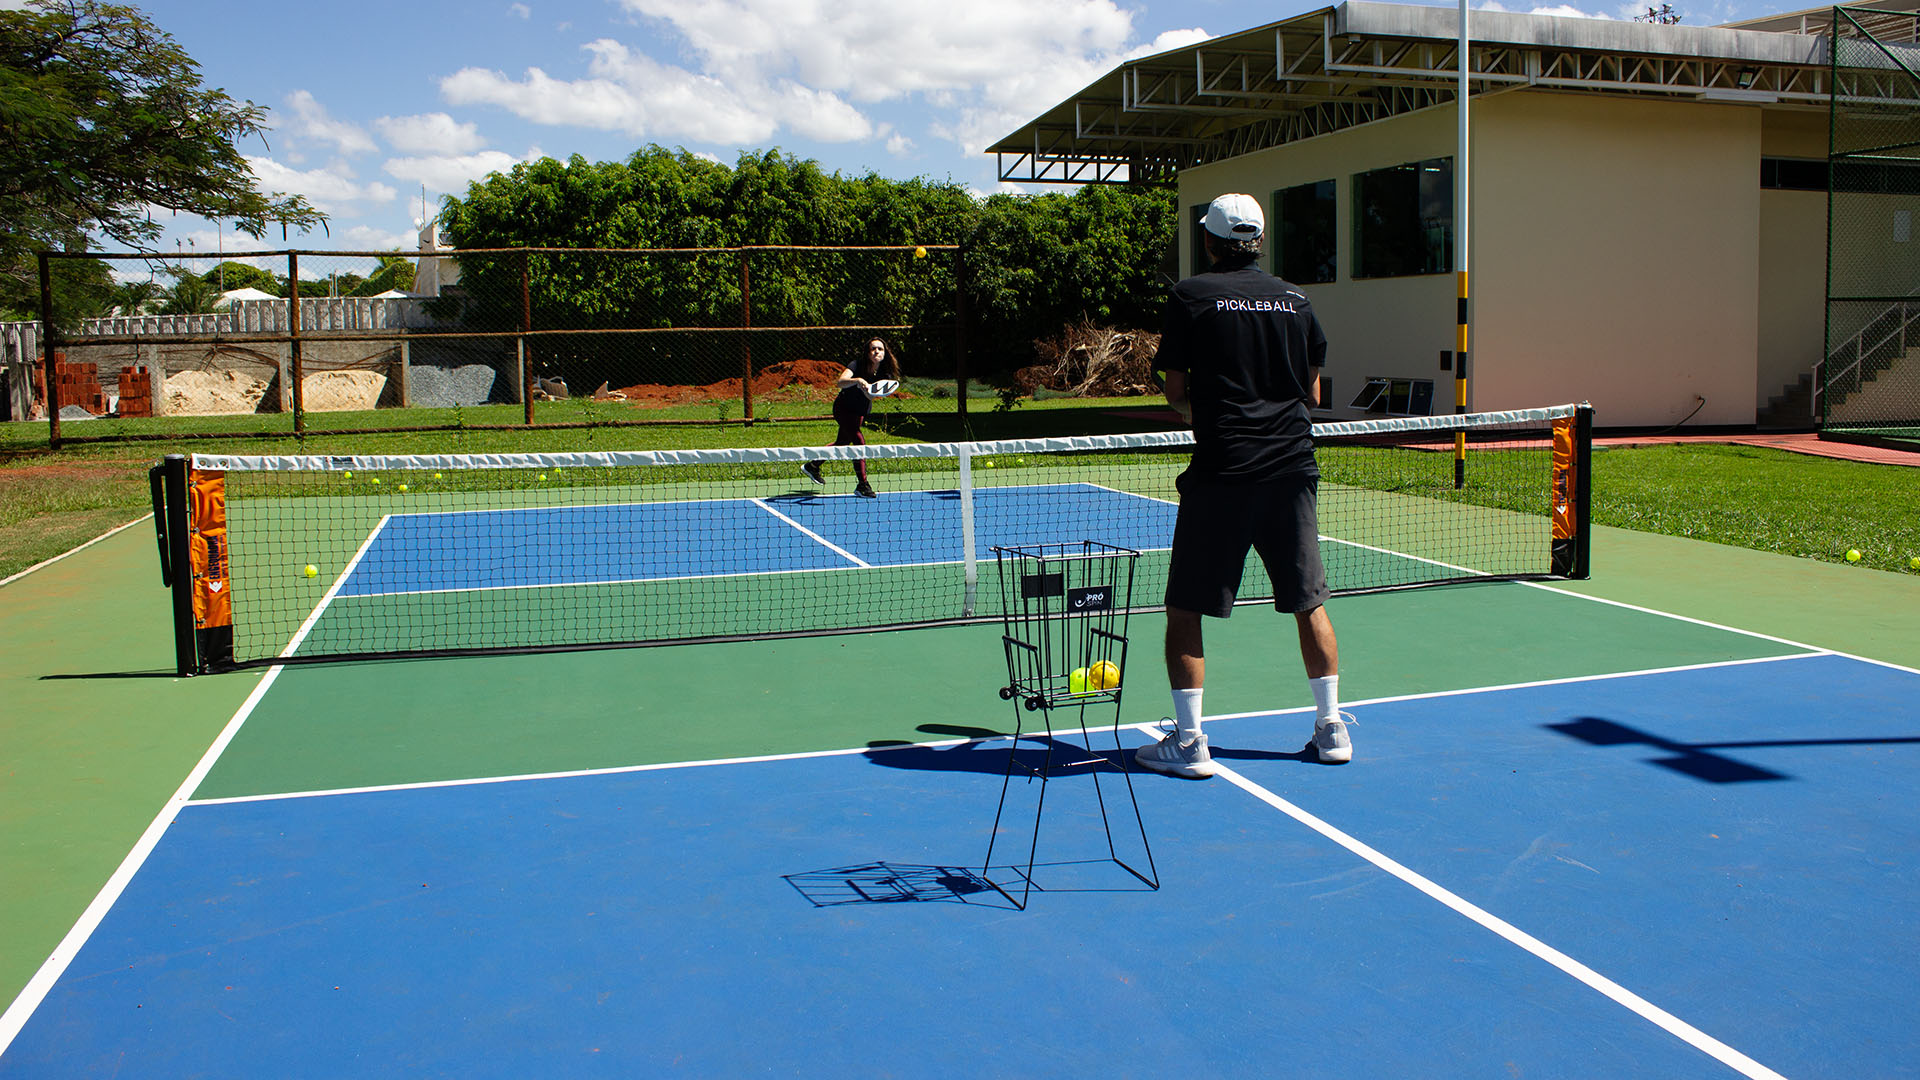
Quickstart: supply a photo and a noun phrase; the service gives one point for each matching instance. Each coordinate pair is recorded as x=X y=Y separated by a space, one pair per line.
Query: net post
x=1582 y=495
x=966 y=529
x=169 y=483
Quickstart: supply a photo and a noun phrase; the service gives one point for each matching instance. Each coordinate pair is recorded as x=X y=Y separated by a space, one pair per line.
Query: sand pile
x=211 y=393
x=339 y=391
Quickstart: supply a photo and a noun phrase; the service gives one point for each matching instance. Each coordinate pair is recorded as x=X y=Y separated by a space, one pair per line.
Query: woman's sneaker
x=812 y=469
x=1176 y=758
x=865 y=491
x=1331 y=743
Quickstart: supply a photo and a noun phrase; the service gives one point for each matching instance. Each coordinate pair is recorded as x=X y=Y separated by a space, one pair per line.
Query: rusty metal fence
x=515 y=337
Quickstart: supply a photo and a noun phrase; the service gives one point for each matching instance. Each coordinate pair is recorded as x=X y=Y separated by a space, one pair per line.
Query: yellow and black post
x=1460 y=383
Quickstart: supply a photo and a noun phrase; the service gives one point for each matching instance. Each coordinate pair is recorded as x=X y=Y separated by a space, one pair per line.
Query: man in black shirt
x=1241 y=352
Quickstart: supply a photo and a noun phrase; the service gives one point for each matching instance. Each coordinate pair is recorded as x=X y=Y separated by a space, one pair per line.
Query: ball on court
x=1914 y=563
x=311 y=570
x=403 y=487
x=543 y=476
x=1853 y=554
x=375 y=480
x=919 y=253
x=1077 y=681
x=436 y=476
x=1104 y=675
x=348 y=474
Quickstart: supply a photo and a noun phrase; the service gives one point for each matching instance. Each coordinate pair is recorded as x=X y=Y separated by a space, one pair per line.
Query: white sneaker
x=1176 y=758
x=1330 y=740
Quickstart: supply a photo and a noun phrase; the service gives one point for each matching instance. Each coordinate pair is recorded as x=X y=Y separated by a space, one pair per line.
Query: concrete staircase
x=1789 y=410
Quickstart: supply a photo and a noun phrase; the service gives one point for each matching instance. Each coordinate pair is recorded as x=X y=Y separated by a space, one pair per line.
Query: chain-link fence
x=1868 y=385
x=304 y=342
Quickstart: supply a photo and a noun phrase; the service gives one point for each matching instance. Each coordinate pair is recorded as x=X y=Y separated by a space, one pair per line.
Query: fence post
x=293 y=330
x=49 y=337
x=526 y=324
x=960 y=331
x=746 y=340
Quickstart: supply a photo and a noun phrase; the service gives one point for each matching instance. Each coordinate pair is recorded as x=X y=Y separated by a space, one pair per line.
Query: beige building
x=1647 y=209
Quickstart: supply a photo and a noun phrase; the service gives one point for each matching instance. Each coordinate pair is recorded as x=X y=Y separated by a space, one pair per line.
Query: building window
x=1395 y=397
x=1852 y=176
x=1403 y=220
x=1308 y=244
x=1793 y=174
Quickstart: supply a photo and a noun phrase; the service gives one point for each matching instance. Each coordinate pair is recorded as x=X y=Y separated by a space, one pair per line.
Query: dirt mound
x=798 y=380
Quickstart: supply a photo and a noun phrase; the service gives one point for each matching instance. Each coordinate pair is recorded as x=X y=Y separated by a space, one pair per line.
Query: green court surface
x=99 y=735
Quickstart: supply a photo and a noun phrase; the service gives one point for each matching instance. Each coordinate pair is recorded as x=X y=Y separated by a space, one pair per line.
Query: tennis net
x=285 y=559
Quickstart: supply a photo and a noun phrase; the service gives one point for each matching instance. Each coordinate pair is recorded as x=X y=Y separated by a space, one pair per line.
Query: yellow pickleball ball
x=311 y=570
x=1853 y=554
x=348 y=474
x=375 y=480
x=403 y=487
x=1077 y=681
x=1104 y=675
x=1914 y=563
x=436 y=476
x=919 y=253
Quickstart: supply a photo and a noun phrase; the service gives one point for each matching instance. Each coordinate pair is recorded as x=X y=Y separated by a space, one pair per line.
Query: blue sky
x=375 y=103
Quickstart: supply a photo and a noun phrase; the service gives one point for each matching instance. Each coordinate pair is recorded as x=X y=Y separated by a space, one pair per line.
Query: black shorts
x=1217 y=525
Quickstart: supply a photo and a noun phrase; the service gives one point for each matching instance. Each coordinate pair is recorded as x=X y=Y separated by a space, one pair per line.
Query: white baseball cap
x=1235 y=217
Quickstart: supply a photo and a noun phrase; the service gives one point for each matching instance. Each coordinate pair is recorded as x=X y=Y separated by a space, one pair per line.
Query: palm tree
x=190 y=294
x=132 y=297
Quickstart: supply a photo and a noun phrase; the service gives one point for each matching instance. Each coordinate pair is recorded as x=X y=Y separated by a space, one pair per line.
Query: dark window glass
x=1308 y=246
x=1793 y=174
x=1403 y=220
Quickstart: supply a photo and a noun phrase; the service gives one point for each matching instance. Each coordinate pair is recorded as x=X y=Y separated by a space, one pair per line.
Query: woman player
x=850 y=409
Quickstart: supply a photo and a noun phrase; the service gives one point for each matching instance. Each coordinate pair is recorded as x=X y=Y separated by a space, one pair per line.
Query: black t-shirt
x=1251 y=348
x=854 y=398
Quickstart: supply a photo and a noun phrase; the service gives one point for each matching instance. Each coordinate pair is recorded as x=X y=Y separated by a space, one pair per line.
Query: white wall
x=1616 y=256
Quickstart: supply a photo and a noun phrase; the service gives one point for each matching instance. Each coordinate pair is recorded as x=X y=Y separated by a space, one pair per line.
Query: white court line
x=49 y=973
x=816 y=537
x=44 y=563
x=1557 y=590
x=1062 y=732
x=1620 y=995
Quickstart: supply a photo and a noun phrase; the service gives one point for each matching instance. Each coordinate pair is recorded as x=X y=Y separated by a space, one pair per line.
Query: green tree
x=132 y=297
x=190 y=294
x=231 y=275
x=103 y=118
x=1036 y=263
x=393 y=272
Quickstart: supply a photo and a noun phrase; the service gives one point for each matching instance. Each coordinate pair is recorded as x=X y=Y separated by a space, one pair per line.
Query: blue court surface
x=578 y=545
x=1698 y=872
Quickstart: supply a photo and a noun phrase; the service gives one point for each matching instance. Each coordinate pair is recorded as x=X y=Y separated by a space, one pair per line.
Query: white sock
x=1186 y=712
x=1326 y=698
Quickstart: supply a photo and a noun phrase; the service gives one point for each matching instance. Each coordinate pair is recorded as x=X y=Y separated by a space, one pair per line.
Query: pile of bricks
x=136 y=392
x=79 y=384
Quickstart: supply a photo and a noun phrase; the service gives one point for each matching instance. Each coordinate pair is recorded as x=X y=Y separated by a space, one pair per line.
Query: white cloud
x=429 y=133
x=369 y=238
x=899 y=145
x=753 y=69
x=453 y=172
x=311 y=120
x=521 y=10
x=332 y=188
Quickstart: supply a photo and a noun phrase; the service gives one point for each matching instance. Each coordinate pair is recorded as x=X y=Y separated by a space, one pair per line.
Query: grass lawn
x=1769 y=500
